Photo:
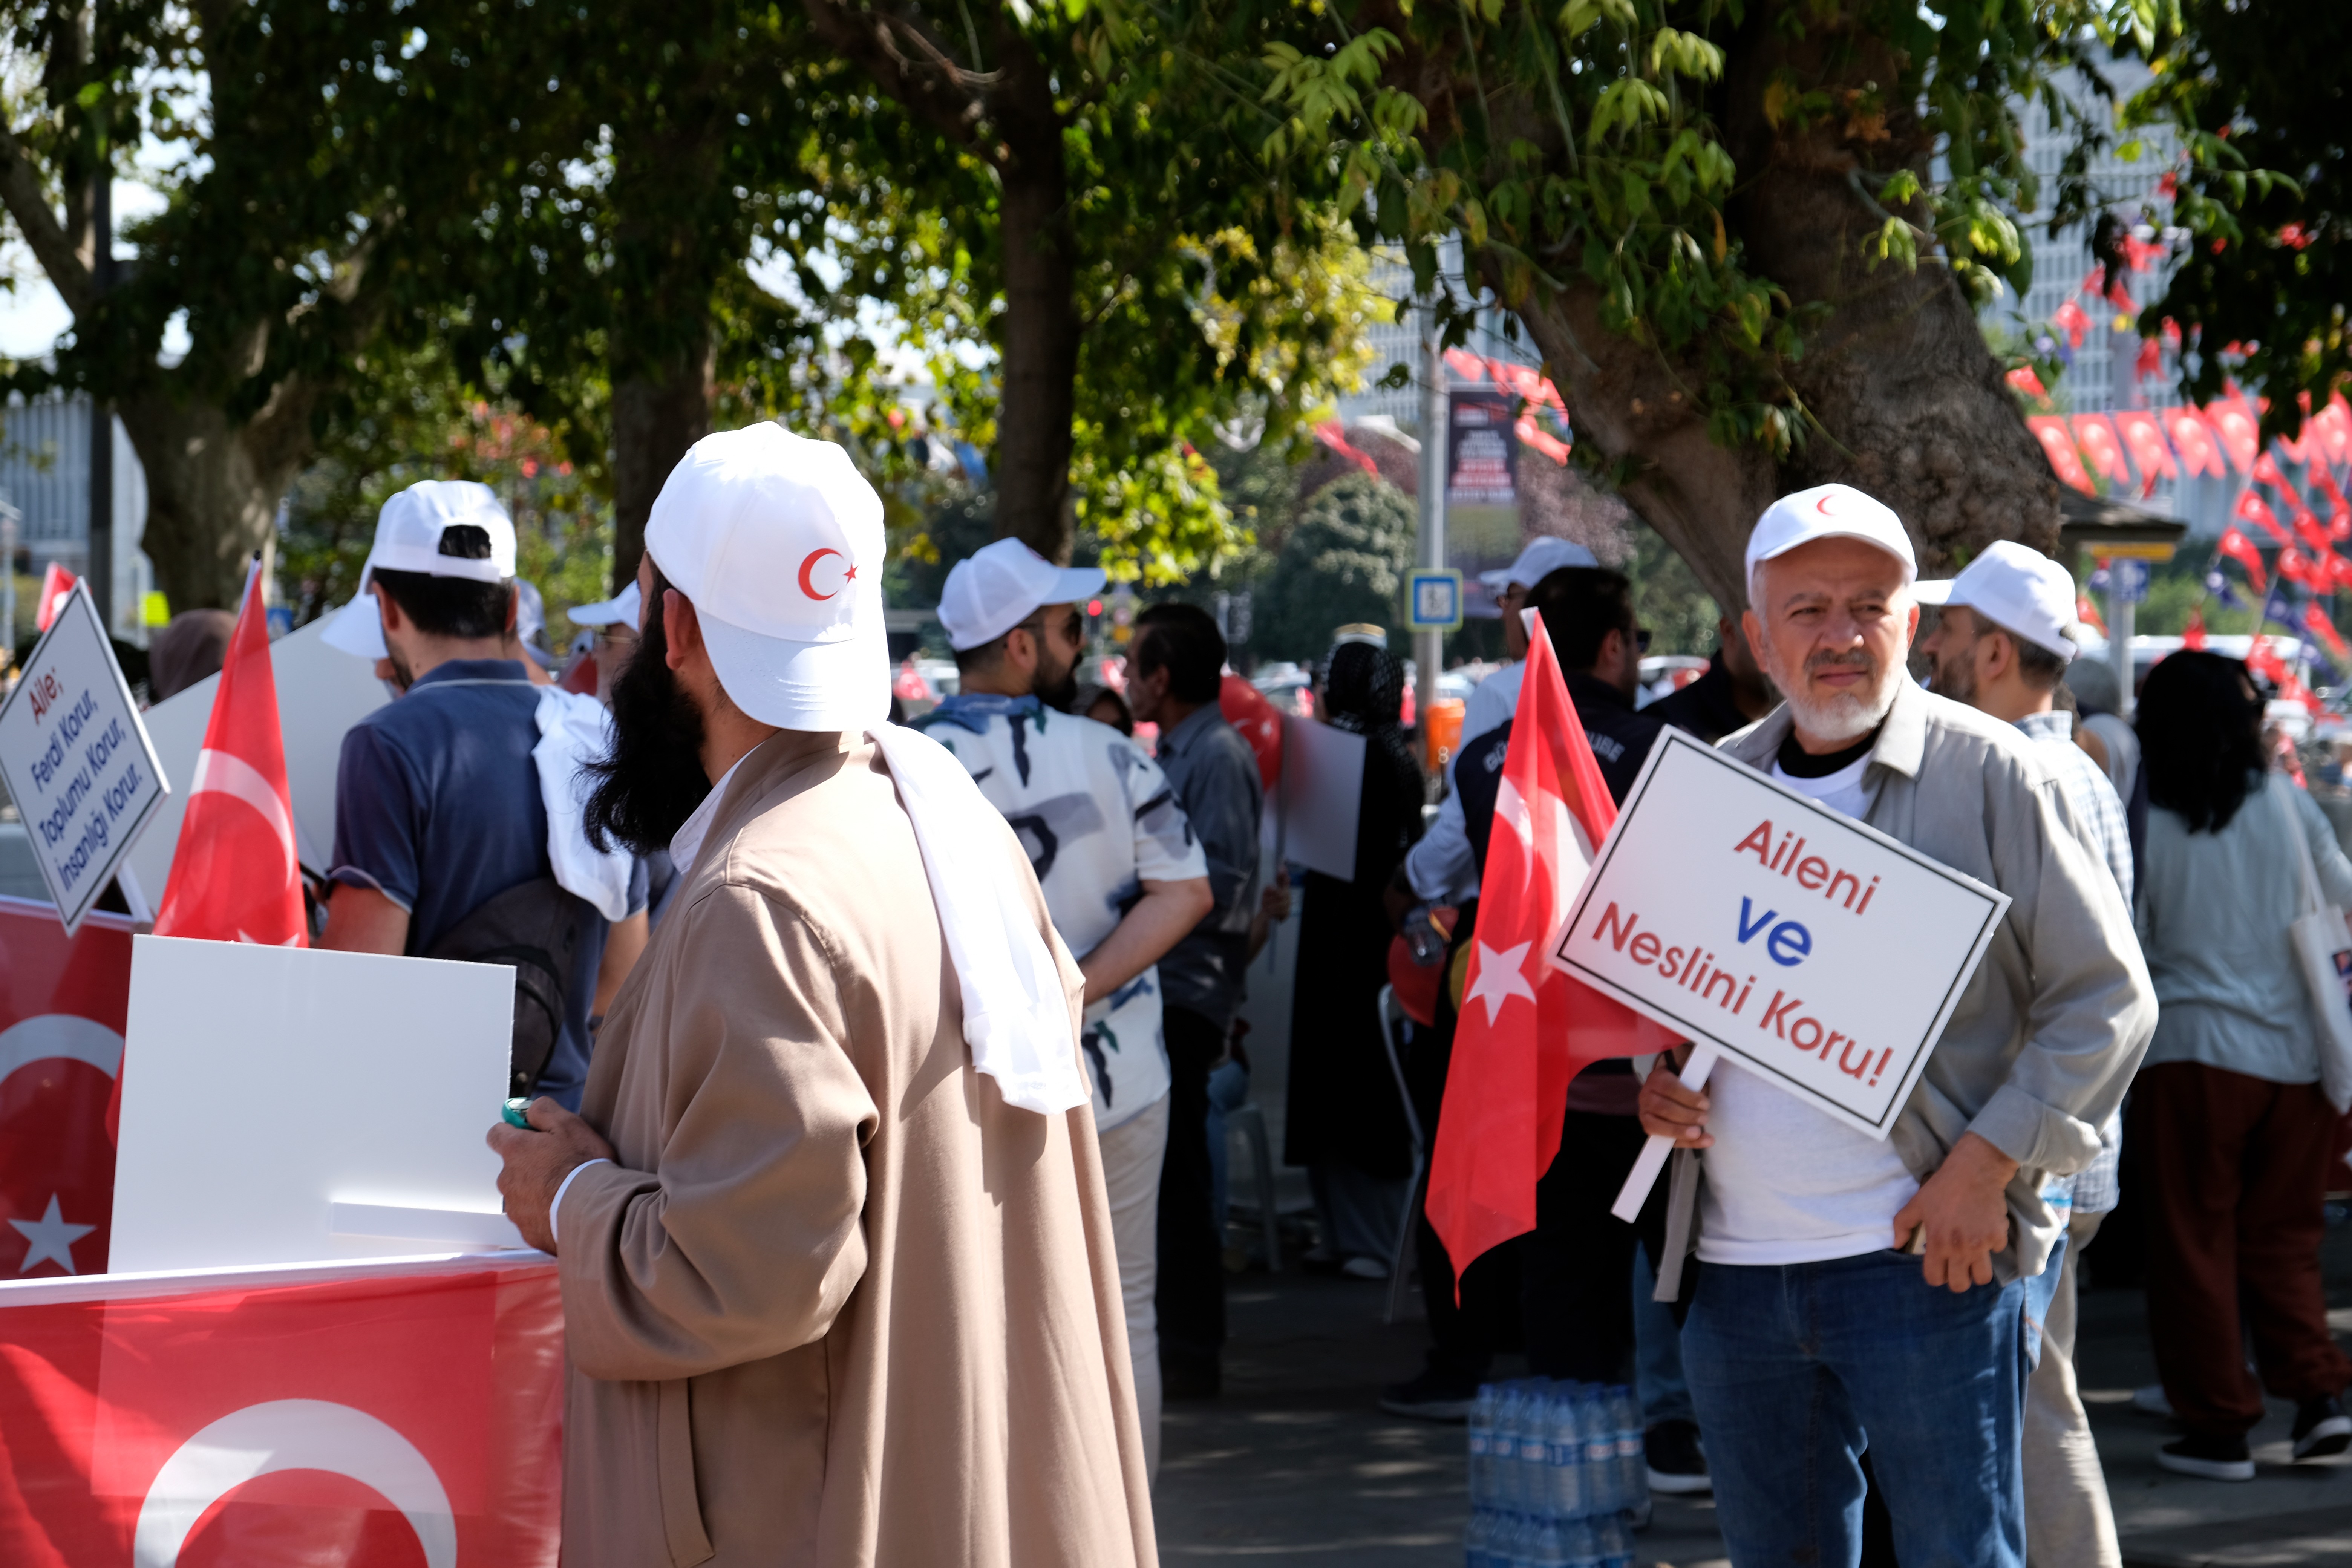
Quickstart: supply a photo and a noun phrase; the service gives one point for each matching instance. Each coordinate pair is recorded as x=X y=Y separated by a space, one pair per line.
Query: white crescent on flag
x=60 y=1035
x=292 y=1435
x=1562 y=844
x=223 y=772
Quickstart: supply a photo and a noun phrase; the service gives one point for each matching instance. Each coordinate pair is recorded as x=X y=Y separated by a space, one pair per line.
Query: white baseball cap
x=625 y=605
x=408 y=539
x=777 y=540
x=996 y=588
x=1543 y=556
x=2019 y=590
x=1827 y=512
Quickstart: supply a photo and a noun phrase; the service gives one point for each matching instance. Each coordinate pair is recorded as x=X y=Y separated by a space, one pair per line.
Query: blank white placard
x=1311 y=814
x=262 y=1087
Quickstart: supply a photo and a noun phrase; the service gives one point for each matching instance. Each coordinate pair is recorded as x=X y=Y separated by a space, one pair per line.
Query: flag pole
x=1652 y=1158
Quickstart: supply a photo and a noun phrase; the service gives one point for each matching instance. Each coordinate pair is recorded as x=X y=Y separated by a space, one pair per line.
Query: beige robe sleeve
x=748 y=1240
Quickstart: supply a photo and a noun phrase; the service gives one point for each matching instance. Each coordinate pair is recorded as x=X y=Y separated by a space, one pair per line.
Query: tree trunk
x=1039 y=344
x=213 y=488
x=1910 y=402
x=656 y=417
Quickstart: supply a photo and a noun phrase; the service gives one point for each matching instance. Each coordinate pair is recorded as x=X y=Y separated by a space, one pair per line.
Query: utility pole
x=101 y=412
x=1429 y=647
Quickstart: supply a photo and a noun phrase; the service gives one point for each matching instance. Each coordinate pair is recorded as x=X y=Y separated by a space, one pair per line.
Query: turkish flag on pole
x=56 y=583
x=2251 y=508
x=2240 y=549
x=234 y=874
x=63 y=1003
x=365 y=1415
x=1525 y=1028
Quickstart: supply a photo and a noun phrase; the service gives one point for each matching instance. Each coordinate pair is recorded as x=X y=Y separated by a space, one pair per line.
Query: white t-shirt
x=1786 y=1182
x=1098 y=820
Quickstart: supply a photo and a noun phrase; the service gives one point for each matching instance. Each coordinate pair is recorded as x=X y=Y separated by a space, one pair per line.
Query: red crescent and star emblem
x=1822 y=506
x=808 y=587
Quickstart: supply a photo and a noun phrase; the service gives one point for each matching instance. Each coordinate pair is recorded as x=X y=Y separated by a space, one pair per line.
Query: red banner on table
x=365 y=1415
x=63 y=1000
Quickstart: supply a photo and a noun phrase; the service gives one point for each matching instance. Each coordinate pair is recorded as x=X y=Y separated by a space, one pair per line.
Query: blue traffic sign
x=1434 y=599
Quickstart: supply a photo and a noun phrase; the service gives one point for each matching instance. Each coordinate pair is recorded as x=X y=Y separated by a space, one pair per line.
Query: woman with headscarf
x=1344 y=1121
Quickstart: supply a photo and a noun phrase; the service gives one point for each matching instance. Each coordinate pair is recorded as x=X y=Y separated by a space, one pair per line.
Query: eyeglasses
x=1074 y=629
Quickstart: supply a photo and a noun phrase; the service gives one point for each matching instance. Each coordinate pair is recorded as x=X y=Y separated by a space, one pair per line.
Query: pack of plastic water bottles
x=1556 y=1473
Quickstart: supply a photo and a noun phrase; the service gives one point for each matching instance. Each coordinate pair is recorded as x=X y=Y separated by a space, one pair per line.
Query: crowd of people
x=886 y=1239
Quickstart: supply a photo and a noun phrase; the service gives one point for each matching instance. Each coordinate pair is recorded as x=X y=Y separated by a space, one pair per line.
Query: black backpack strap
x=540 y=931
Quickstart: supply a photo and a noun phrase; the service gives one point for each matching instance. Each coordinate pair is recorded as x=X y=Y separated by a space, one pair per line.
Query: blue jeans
x=1229 y=1084
x=1795 y=1369
x=1658 y=1377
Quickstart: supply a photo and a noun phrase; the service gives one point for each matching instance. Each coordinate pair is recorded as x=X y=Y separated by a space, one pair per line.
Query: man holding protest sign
x=1811 y=1332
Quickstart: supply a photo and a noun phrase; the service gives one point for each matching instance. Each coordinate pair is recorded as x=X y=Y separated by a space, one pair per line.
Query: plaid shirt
x=2094 y=1189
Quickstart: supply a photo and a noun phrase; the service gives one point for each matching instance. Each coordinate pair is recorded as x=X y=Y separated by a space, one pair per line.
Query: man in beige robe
x=832 y=1295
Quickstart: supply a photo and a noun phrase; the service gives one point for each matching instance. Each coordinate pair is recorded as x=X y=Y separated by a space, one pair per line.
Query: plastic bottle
x=1633 y=1464
x=1478 y=1540
x=1612 y=1542
x=1503 y=1449
x=1565 y=1449
x=1535 y=1449
x=1549 y=1549
x=1578 y=1548
x=1603 y=1482
x=1482 y=1435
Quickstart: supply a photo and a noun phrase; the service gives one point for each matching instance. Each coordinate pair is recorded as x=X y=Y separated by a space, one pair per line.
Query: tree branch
x=28 y=203
x=911 y=67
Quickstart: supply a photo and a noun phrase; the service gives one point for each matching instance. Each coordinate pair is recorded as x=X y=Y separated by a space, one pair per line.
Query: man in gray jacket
x=1813 y=1331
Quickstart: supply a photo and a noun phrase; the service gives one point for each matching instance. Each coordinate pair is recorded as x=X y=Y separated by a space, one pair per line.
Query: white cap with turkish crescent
x=777 y=540
x=408 y=539
x=1827 y=512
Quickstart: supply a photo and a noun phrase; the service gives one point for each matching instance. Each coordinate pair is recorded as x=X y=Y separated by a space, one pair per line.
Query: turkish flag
x=2059 y=447
x=382 y=1416
x=2296 y=567
x=2192 y=636
x=2315 y=621
x=2234 y=544
x=2144 y=437
x=234 y=874
x=2200 y=451
x=63 y=1002
x=1525 y=1028
x=2251 y=508
x=2101 y=445
x=2312 y=532
x=2088 y=613
x=2241 y=432
x=56 y=583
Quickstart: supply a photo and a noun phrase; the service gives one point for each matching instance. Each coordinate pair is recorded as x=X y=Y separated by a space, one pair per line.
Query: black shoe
x=1677 y=1467
x=1188 y=1380
x=1432 y=1397
x=2213 y=1458
x=2321 y=1428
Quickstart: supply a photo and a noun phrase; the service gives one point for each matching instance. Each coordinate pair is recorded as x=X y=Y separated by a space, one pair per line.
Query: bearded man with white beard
x=1853 y=1293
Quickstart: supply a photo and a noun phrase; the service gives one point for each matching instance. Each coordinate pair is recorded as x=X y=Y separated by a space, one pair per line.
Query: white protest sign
x=286 y=1105
x=76 y=761
x=1815 y=951
x=1318 y=798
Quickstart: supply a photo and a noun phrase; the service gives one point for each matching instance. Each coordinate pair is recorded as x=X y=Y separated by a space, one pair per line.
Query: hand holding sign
x=1816 y=952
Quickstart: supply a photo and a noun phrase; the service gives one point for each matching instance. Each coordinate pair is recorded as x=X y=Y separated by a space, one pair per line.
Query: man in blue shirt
x=1175 y=668
x=439 y=802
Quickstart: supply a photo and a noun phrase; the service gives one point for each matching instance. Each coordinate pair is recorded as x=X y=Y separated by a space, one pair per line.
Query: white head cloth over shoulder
x=777 y=540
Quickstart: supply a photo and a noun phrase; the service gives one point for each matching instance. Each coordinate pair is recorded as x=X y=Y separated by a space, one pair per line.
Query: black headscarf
x=1363 y=693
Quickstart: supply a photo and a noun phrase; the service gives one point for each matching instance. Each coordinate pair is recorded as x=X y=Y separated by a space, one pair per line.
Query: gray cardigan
x=2051 y=1025
x=2213 y=917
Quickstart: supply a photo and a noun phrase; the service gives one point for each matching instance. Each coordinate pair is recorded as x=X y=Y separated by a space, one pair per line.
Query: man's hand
x=538 y=1161
x=1670 y=1110
x=1964 y=1212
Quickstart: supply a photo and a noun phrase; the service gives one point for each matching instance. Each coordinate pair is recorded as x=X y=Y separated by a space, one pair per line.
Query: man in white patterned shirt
x=2000 y=646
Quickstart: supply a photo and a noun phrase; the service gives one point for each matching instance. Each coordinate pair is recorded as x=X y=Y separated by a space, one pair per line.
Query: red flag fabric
x=2023 y=380
x=2102 y=446
x=2050 y=431
x=236 y=876
x=2296 y=567
x=2312 y=533
x=2088 y=613
x=2192 y=636
x=2334 y=426
x=2144 y=438
x=359 y=1415
x=2239 y=549
x=2326 y=483
x=2266 y=471
x=2200 y=452
x=1525 y=1028
x=63 y=1003
x=2339 y=570
x=2251 y=508
x=2071 y=320
x=2264 y=662
x=56 y=583
x=2241 y=433
x=2316 y=620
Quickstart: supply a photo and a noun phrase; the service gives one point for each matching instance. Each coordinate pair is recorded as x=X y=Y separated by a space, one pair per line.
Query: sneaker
x=1432 y=1397
x=2149 y=1398
x=2321 y=1428
x=1677 y=1467
x=2213 y=1458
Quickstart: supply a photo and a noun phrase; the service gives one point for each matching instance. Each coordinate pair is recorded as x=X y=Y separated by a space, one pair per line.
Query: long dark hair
x=653 y=781
x=2201 y=737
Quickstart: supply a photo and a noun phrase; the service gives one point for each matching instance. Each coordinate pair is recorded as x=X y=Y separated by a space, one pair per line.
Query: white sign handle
x=1652 y=1158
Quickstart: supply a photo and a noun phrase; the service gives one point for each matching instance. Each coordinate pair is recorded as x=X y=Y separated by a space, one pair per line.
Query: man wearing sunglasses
x=1124 y=877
